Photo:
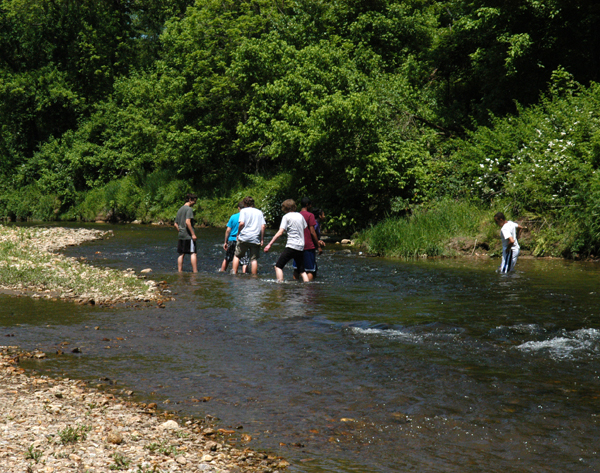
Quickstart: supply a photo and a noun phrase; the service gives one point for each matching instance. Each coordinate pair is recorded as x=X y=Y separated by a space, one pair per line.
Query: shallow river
x=380 y=366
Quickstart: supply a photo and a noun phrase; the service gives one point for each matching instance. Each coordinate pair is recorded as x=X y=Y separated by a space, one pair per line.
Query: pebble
x=169 y=425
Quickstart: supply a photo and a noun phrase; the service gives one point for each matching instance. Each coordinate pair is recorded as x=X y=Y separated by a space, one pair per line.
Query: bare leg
x=310 y=276
x=254 y=266
x=194 y=260
x=279 y=274
x=223 y=266
x=305 y=277
x=180 y=263
x=244 y=268
x=235 y=264
x=295 y=274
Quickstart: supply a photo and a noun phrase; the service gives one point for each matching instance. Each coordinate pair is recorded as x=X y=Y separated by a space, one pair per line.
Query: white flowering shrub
x=544 y=161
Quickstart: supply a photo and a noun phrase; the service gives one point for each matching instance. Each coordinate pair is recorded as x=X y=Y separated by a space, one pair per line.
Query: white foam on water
x=525 y=328
x=582 y=342
x=396 y=334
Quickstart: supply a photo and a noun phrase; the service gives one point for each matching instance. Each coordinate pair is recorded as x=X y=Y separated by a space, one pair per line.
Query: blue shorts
x=310 y=261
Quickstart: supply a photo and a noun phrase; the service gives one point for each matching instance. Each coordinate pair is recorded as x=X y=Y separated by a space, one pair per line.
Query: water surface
x=379 y=366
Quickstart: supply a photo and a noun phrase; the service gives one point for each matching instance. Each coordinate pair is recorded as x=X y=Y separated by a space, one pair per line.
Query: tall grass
x=426 y=232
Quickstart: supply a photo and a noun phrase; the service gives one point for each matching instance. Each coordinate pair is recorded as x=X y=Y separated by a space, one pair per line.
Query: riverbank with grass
x=57 y=425
x=29 y=265
x=448 y=229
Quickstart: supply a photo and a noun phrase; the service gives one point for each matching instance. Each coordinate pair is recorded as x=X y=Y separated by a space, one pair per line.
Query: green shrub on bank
x=427 y=231
x=268 y=194
x=29 y=203
x=543 y=163
x=154 y=197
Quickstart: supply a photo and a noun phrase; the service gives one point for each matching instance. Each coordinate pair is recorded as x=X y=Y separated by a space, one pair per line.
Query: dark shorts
x=310 y=261
x=288 y=254
x=230 y=252
x=186 y=247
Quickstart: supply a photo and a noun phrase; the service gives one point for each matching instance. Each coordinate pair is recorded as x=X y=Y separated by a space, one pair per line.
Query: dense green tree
x=489 y=54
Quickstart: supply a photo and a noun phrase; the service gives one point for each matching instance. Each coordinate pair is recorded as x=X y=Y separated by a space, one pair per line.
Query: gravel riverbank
x=61 y=425
x=29 y=265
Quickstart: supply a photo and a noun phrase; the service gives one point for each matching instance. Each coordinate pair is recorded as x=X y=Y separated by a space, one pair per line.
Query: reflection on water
x=380 y=366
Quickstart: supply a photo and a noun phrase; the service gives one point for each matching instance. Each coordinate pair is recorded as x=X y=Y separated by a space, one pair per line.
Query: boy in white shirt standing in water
x=509 y=231
x=294 y=224
x=251 y=235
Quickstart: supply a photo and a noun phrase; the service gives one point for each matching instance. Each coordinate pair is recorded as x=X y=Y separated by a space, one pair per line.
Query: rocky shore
x=29 y=265
x=61 y=425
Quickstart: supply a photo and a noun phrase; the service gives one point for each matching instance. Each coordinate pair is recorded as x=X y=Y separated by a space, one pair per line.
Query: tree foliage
x=368 y=107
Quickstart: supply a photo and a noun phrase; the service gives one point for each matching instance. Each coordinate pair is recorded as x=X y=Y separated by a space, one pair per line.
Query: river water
x=379 y=366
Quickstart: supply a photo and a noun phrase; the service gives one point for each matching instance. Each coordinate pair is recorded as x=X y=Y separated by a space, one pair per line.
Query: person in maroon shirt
x=311 y=241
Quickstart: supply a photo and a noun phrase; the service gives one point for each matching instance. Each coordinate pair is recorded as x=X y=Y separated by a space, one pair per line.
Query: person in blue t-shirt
x=230 y=240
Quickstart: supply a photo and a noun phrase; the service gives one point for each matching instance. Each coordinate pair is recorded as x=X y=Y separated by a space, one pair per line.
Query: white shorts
x=509 y=260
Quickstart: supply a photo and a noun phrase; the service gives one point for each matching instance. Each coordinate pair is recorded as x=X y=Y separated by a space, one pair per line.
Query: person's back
x=309 y=244
x=253 y=221
x=251 y=233
x=508 y=230
x=233 y=224
x=183 y=214
x=294 y=225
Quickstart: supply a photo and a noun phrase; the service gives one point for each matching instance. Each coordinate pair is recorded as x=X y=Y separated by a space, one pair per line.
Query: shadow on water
x=380 y=366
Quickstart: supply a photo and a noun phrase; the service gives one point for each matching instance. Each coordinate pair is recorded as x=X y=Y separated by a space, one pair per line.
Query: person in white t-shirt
x=294 y=224
x=509 y=231
x=251 y=235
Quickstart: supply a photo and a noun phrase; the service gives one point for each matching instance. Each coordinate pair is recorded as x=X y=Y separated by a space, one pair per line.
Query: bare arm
x=227 y=233
x=176 y=226
x=273 y=240
x=188 y=224
x=262 y=235
x=314 y=237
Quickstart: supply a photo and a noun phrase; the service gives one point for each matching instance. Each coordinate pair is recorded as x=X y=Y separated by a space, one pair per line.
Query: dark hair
x=190 y=197
x=499 y=216
x=306 y=202
x=317 y=212
x=288 y=206
x=241 y=204
x=248 y=202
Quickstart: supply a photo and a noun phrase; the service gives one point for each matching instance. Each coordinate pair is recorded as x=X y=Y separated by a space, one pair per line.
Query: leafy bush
x=544 y=162
x=268 y=195
x=29 y=203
